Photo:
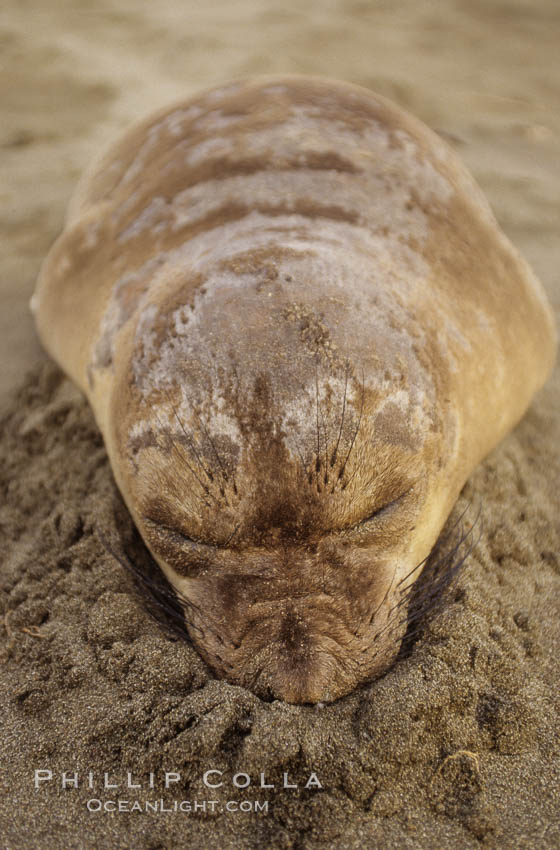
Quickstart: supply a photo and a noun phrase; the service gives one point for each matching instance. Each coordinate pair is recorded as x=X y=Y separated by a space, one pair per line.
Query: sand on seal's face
x=292 y=391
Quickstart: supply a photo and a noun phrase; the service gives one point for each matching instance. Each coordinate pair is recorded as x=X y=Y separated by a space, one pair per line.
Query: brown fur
x=300 y=328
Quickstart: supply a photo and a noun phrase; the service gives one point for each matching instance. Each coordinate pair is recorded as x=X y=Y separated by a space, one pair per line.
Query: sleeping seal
x=300 y=328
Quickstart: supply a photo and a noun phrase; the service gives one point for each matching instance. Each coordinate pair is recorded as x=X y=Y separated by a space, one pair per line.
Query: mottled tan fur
x=300 y=328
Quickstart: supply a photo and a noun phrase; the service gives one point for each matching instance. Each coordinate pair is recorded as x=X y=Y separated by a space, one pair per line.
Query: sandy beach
x=458 y=745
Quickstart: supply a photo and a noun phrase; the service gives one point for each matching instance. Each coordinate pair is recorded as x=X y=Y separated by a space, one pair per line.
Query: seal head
x=278 y=461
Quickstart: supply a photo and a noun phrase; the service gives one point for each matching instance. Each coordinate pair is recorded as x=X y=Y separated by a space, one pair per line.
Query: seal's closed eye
x=384 y=509
x=173 y=534
x=188 y=556
x=162 y=519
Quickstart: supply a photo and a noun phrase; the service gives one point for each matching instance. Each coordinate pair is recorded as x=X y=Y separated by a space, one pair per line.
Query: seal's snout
x=291 y=671
x=296 y=626
x=296 y=669
x=294 y=683
x=294 y=657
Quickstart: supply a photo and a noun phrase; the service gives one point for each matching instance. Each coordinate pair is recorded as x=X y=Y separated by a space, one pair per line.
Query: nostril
x=294 y=634
x=308 y=672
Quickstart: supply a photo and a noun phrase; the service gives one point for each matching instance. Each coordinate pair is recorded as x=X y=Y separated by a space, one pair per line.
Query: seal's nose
x=300 y=664
x=292 y=681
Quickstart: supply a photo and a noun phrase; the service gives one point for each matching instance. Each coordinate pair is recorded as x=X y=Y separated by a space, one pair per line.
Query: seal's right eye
x=186 y=556
x=160 y=518
x=172 y=534
x=164 y=532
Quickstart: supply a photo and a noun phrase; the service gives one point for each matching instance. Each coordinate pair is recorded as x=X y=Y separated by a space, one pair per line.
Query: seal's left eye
x=379 y=511
x=385 y=509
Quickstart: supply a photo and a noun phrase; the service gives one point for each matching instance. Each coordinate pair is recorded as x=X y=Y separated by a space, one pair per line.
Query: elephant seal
x=300 y=328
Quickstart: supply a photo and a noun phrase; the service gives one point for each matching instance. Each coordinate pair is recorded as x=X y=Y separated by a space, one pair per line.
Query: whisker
x=385 y=597
x=224 y=474
x=439 y=543
x=343 y=467
x=232 y=535
x=318 y=460
x=439 y=574
x=413 y=570
x=326 y=439
x=335 y=452
x=205 y=488
x=162 y=596
x=448 y=557
x=303 y=464
x=454 y=565
x=189 y=439
x=167 y=599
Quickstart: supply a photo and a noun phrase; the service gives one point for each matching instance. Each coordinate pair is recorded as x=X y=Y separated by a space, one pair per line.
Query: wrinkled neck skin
x=280 y=446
